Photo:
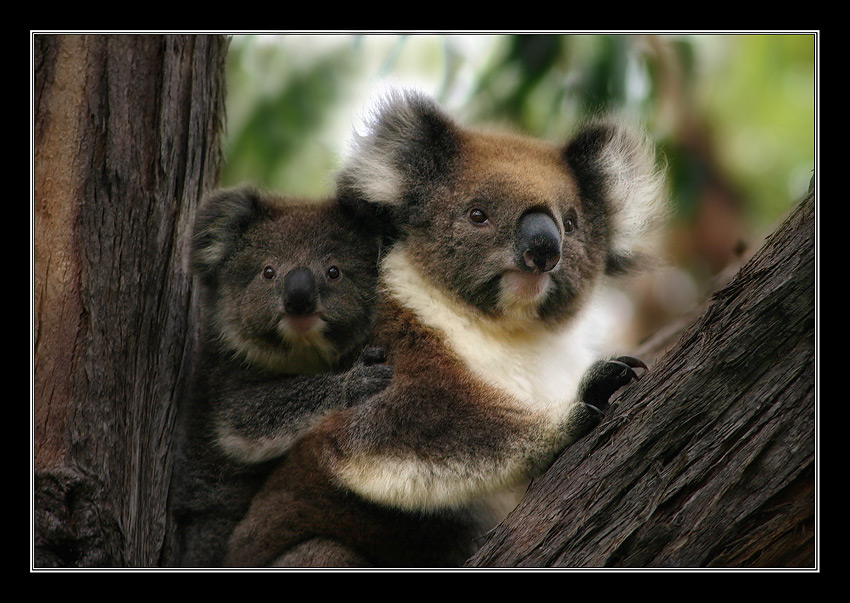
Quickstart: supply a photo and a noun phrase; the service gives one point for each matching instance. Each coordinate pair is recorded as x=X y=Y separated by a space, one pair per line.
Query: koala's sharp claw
x=625 y=371
x=632 y=362
x=593 y=409
x=606 y=377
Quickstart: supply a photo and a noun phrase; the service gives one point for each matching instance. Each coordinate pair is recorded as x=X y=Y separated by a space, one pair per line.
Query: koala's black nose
x=538 y=242
x=299 y=292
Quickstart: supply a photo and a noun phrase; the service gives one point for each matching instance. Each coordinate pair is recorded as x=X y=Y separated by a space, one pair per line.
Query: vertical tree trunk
x=126 y=134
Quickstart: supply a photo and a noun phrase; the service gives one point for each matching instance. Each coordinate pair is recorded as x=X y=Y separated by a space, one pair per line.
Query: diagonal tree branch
x=709 y=461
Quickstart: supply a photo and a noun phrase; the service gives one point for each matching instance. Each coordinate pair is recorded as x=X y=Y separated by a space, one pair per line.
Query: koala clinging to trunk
x=287 y=295
x=487 y=317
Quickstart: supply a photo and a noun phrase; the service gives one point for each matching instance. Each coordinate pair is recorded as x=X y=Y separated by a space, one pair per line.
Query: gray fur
x=253 y=391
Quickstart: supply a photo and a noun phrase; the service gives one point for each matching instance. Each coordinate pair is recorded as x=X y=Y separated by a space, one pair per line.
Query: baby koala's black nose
x=538 y=242
x=300 y=292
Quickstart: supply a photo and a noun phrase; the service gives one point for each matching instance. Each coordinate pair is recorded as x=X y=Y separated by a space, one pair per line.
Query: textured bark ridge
x=126 y=133
x=709 y=461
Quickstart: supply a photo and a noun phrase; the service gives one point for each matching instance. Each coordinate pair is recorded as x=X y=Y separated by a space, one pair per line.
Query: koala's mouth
x=301 y=325
x=526 y=286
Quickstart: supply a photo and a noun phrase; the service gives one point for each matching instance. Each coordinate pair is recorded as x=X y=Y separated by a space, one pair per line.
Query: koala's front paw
x=606 y=377
x=598 y=385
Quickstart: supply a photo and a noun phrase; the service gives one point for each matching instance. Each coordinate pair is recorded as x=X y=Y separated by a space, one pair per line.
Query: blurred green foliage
x=278 y=104
x=734 y=115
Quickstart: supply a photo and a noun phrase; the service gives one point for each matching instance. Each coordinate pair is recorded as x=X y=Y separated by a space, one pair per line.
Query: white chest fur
x=538 y=366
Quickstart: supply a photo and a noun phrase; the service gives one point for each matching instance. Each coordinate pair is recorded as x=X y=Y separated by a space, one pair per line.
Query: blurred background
x=733 y=116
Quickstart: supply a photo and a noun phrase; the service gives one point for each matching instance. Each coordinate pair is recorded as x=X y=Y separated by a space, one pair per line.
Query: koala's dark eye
x=268 y=273
x=334 y=273
x=477 y=216
x=570 y=221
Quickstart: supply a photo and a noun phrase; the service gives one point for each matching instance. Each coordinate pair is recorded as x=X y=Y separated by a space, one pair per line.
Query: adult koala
x=487 y=317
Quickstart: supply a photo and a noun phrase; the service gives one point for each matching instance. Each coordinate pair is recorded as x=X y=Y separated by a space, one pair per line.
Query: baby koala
x=287 y=292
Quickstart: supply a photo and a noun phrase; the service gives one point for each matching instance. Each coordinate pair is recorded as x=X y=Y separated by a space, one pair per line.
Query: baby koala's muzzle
x=300 y=292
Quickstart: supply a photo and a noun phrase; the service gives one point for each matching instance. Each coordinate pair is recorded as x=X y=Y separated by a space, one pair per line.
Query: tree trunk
x=709 y=461
x=126 y=135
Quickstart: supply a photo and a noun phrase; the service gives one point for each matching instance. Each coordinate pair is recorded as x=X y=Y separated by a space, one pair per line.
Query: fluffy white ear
x=616 y=163
x=408 y=141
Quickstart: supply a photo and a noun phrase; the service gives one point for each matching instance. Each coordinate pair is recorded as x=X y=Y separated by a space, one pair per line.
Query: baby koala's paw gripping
x=369 y=375
x=372 y=355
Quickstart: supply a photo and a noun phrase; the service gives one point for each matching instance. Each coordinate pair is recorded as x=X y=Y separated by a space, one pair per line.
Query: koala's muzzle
x=300 y=292
x=538 y=242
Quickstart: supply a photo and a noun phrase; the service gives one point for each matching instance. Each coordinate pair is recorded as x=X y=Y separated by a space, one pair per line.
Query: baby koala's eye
x=268 y=273
x=477 y=216
x=334 y=273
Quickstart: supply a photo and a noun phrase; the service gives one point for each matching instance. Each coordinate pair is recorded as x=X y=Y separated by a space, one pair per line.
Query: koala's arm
x=259 y=421
x=398 y=449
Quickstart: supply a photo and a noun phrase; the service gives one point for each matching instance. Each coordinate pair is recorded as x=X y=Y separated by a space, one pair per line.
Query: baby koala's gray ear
x=408 y=144
x=221 y=221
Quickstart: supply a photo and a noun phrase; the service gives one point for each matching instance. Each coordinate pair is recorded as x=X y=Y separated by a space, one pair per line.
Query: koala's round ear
x=615 y=166
x=371 y=219
x=407 y=146
x=221 y=220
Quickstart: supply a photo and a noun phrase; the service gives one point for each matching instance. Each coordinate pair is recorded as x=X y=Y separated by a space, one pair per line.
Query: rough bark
x=126 y=140
x=709 y=461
